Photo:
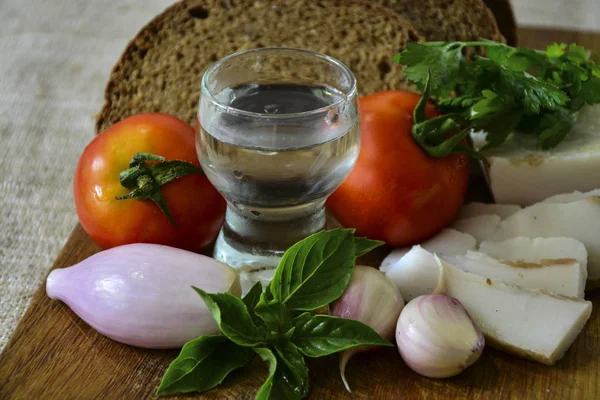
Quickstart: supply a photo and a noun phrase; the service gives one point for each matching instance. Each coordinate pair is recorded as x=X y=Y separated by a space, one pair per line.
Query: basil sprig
x=278 y=323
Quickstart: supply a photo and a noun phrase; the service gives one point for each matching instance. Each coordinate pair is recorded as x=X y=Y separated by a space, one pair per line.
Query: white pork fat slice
x=563 y=276
x=416 y=273
x=448 y=242
x=481 y=227
x=570 y=197
x=521 y=173
x=529 y=323
x=536 y=250
x=475 y=209
x=579 y=220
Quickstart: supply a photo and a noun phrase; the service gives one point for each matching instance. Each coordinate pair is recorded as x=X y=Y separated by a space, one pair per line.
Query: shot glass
x=277 y=133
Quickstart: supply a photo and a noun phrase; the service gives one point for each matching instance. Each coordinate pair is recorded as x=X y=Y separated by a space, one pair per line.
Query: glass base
x=254 y=245
x=251 y=267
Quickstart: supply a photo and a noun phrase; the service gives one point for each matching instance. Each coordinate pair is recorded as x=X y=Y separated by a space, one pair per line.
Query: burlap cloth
x=55 y=57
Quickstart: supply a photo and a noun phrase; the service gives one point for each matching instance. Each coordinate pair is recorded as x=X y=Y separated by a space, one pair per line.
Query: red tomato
x=396 y=192
x=195 y=204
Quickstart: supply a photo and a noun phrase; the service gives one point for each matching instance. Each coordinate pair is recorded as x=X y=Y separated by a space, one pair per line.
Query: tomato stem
x=145 y=180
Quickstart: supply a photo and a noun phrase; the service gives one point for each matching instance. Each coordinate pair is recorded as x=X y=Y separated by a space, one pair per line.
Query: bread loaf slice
x=448 y=20
x=505 y=18
x=161 y=68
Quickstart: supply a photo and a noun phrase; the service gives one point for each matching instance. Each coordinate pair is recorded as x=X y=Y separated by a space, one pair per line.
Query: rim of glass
x=206 y=92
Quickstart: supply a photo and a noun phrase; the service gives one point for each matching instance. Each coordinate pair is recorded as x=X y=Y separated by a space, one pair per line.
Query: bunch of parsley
x=513 y=89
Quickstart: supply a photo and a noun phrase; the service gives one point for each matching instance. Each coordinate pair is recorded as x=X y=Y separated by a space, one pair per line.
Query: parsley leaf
x=590 y=91
x=531 y=92
x=520 y=59
x=556 y=50
x=554 y=127
x=445 y=61
x=458 y=103
x=577 y=54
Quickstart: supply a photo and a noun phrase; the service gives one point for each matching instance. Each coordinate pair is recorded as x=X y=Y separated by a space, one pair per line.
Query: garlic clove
x=448 y=242
x=372 y=299
x=141 y=295
x=436 y=337
x=344 y=358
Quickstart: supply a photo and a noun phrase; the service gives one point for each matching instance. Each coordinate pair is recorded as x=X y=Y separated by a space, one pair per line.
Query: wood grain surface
x=54 y=355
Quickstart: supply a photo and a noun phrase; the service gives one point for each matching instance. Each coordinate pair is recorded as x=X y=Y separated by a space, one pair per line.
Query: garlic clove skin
x=141 y=295
x=373 y=299
x=436 y=336
x=448 y=242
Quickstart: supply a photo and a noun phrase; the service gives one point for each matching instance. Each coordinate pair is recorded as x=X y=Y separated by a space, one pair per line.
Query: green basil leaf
x=252 y=297
x=267 y=355
x=301 y=320
x=322 y=335
x=363 y=245
x=233 y=318
x=288 y=335
x=291 y=358
x=202 y=364
x=315 y=271
x=251 y=300
x=276 y=316
x=281 y=383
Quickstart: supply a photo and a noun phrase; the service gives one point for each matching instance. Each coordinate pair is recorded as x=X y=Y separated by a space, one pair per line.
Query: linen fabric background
x=55 y=57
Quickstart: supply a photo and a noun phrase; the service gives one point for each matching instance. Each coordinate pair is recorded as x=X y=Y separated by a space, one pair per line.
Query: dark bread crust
x=161 y=68
x=449 y=20
x=505 y=18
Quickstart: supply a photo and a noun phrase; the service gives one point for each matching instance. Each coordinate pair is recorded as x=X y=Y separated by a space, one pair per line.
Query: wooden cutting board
x=54 y=355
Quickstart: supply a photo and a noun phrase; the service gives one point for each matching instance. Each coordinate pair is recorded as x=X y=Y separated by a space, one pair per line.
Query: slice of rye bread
x=505 y=18
x=449 y=20
x=161 y=68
